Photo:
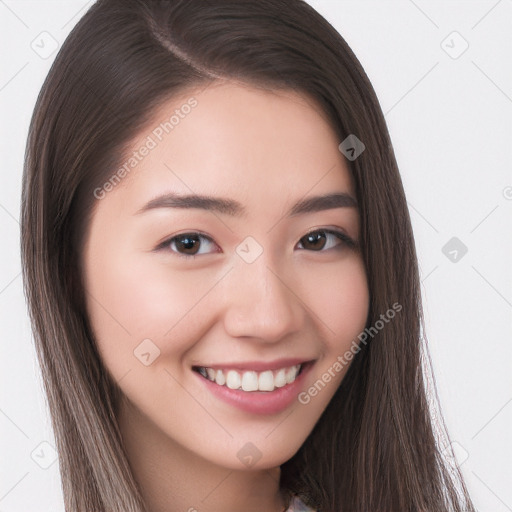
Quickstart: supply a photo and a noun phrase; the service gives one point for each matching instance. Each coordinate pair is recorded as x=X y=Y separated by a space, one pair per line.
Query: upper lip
x=257 y=366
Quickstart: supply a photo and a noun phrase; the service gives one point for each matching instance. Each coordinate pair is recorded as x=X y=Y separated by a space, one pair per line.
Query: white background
x=450 y=120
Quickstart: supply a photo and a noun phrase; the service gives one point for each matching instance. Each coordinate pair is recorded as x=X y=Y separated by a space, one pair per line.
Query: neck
x=173 y=478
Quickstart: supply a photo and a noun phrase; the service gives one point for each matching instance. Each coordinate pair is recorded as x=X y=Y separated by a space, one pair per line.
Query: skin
x=266 y=150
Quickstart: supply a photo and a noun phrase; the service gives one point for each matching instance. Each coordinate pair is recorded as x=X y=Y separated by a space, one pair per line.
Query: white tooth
x=233 y=380
x=291 y=373
x=250 y=381
x=280 y=378
x=266 y=381
x=219 y=378
x=254 y=381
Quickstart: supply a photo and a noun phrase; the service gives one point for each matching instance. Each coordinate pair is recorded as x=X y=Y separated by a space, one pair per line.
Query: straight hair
x=375 y=447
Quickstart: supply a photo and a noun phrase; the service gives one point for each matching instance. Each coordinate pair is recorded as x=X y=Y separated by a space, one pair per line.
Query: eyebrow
x=234 y=208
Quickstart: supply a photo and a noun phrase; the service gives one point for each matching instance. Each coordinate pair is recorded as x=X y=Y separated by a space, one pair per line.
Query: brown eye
x=188 y=244
x=319 y=239
x=314 y=241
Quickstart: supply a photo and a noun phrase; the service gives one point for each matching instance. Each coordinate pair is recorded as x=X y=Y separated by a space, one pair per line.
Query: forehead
x=259 y=146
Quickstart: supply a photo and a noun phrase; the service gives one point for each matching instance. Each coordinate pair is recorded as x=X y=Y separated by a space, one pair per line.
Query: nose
x=261 y=304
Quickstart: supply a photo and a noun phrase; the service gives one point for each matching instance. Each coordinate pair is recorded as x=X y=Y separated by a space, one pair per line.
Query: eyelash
x=344 y=238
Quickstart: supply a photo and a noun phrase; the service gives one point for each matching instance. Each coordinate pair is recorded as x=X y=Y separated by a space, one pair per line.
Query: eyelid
x=337 y=232
x=165 y=243
x=341 y=234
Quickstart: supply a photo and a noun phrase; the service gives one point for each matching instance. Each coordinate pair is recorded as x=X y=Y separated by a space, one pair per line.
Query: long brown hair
x=374 y=448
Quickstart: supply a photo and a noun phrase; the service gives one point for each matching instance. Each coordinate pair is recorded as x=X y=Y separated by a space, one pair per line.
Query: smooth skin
x=266 y=150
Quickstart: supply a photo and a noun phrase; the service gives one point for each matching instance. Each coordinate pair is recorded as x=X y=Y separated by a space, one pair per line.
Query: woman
x=214 y=221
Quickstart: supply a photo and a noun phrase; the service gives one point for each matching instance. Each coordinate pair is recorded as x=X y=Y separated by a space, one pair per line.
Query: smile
x=256 y=387
x=267 y=380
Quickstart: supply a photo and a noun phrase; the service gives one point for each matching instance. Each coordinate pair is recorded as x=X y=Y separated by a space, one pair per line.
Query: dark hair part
x=374 y=448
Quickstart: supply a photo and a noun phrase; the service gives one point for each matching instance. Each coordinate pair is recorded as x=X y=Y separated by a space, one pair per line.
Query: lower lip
x=259 y=402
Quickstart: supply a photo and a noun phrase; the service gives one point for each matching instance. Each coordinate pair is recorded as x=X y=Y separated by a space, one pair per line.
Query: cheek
x=340 y=298
x=129 y=301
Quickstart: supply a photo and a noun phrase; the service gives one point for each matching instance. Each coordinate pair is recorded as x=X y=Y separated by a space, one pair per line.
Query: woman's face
x=246 y=288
